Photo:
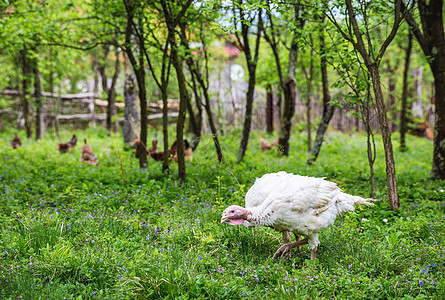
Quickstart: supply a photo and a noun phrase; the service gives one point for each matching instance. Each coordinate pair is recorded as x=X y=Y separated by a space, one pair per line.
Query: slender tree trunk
x=373 y=67
x=212 y=126
x=403 y=119
x=280 y=102
x=248 y=115
x=289 y=88
x=182 y=109
x=197 y=76
x=164 y=96
x=392 y=99
x=309 y=122
x=386 y=136
x=132 y=112
x=288 y=113
x=416 y=108
x=309 y=99
x=139 y=71
x=26 y=91
x=195 y=122
x=370 y=142
x=38 y=100
x=251 y=61
x=328 y=108
x=269 y=109
x=143 y=102
x=111 y=95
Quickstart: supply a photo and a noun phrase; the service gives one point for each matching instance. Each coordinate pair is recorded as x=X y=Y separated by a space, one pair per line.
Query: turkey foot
x=286 y=248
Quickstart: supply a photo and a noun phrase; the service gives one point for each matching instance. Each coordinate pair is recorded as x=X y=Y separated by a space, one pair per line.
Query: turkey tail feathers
x=346 y=202
x=365 y=201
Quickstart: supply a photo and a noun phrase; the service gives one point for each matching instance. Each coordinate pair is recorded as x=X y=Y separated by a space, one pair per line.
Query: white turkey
x=292 y=203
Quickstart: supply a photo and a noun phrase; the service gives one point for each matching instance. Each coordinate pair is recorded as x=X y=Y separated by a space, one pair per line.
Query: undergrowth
x=69 y=230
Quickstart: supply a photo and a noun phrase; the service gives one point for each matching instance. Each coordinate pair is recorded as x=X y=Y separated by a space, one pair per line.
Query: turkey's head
x=234 y=215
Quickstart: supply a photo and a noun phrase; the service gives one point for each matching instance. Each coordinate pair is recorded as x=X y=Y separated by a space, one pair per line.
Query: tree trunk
x=432 y=41
x=132 y=112
x=309 y=100
x=251 y=66
x=438 y=169
x=328 y=108
x=289 y=88
x=416 y=108
x=372 y=64
x=183 y=97
x=248 y=115
x=38 y=100
x=203 y=83
x=392 y=99
x=403 y=119
x=195 y=121
x=139 y=71
x=269 y=109
x=288 y=113
x=143 y=102
x=370 y=141
x=164 y=96
x=212 y=126
x=386 y=137
x=26 y=90
x=111 y=95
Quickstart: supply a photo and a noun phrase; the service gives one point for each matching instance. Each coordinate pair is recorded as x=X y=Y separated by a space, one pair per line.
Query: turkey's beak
x=224 y=218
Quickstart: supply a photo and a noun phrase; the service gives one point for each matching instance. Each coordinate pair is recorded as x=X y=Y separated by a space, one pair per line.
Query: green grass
x=69 y=230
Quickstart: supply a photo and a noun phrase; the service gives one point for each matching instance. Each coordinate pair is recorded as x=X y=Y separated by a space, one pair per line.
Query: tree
x=138 y=64
x=372 y=60
x=110 y=88
x=26 y=89
x=404 y=99
x=309 y=75
x=328 y=107
x=245 y=15
x=38 y=99
x=132 y=112
x=431 y=37
x=172 y=19
x=288 y=83
x=203 y=81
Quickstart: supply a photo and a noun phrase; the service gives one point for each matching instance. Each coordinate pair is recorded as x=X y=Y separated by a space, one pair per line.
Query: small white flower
x=365 y=220
x=441 y=190
x=385 y=220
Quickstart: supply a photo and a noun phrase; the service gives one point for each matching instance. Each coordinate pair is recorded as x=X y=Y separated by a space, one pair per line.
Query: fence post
x=92 y=113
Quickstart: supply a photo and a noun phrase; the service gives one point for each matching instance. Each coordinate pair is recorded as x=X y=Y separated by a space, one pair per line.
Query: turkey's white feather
x=299 y=204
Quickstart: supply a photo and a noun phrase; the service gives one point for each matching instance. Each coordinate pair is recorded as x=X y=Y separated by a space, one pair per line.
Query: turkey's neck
x=258 y=218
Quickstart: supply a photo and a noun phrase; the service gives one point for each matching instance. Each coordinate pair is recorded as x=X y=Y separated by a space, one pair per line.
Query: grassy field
x=69 y=230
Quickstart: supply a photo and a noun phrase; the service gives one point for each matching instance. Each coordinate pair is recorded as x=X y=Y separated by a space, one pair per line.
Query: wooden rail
x=154 y=109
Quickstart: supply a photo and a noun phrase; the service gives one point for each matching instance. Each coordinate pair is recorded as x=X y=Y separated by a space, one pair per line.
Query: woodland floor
x=69 y=230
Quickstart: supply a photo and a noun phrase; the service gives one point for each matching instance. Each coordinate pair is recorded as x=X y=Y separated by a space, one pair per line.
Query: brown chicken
x=423 y=129
x=88 y=156
x=16 y=142
x=65 y=147
x=265 y=146
x=159 y=156
x=188 y=152
x=152 y=149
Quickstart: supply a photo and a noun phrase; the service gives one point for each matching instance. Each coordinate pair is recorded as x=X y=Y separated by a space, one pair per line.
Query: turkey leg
x=314 y=253
x=286 y=248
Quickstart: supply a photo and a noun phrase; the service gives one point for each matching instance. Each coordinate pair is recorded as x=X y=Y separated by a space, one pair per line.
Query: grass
x=69 y=230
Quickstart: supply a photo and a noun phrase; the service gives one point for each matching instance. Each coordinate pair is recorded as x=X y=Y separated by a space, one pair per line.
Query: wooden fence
x=53 y=110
